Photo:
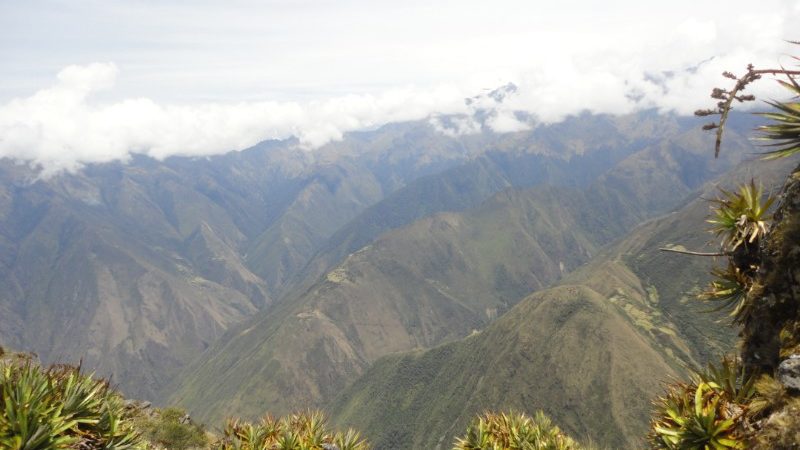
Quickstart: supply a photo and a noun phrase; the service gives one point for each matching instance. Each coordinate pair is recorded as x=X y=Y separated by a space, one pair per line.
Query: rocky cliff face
x=771 y=337
x=773 y=333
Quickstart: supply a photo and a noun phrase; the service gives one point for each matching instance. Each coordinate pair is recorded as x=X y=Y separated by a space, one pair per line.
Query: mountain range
x=400 y=278
x=587 y=351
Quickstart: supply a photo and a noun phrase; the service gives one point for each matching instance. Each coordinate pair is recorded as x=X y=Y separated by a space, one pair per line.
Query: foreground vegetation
x=753 y=400
x=514 y=431
x=295 y=431
x=58 y=407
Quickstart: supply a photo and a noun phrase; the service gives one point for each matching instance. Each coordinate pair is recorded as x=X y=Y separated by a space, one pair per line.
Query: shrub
x=59 y=408
x=303 y=431
x=514 y=430
x=740 y=216
x=171 y=428
x=706 y=413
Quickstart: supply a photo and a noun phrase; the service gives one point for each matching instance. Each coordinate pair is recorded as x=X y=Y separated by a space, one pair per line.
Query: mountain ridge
x=423 y=398
x=434 y=280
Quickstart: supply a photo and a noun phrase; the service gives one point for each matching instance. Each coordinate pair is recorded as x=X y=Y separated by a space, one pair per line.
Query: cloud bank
x=69 y=124
x=60 y=128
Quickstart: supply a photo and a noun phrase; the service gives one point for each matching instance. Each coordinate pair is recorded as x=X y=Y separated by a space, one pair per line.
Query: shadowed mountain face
x=271 y=279
x=591 y=352
x=103 y=270
x=437 y=279
x=137 y=268
x=572 y=153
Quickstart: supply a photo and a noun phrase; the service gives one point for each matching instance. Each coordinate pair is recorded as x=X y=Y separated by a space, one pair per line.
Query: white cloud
x=505 y=121
x=60 y=128
x=630 y=57
x=92 y=77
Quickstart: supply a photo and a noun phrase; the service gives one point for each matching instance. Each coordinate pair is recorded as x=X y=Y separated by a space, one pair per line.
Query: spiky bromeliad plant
x=513 y=430
x=740 y=216
x=304 y=431
x=695 y=416
x=728 y=290
x=60 y=408
x=784 y=131
x=706 y=413
x=720 y=410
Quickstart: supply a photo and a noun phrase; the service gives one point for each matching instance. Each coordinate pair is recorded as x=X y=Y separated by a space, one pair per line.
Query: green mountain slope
x=430 y=282
x=433 y=281
x=590 y=352
x=135 y=268
x=572 y=154
x=118 y=290
x=333 y=196
x=566 y=351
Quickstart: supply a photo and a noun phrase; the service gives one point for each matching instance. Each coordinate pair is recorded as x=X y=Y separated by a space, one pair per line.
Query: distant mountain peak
x=498 y=95
x=486 y=112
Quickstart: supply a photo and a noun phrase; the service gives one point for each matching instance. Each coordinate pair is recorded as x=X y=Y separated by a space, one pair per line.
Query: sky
x=95 y=81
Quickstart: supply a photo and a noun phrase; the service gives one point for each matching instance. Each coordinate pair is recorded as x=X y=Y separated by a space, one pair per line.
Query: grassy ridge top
x=590 y=352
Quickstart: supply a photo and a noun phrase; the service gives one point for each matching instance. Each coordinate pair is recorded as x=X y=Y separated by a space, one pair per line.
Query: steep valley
x=136 y=267
x=274 y=280
x=590 y=351
x=433 y=281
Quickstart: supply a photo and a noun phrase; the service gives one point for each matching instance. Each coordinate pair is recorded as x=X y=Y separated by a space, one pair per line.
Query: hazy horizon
x=96 y=81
